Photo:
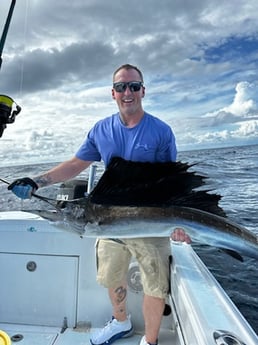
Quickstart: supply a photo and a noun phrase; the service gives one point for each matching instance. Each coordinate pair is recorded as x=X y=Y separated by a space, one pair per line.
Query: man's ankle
x=156 y=342
x=121 y=320
x=145 y=341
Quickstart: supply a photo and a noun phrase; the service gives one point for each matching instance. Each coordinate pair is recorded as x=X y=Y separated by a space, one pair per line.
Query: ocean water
x=231 y=172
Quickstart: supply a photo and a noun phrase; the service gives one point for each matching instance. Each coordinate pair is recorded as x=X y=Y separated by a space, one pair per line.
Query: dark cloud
x=159 y=36
x=48 y=69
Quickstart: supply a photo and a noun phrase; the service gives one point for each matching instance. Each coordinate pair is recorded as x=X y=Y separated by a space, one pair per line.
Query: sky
x=199 y=59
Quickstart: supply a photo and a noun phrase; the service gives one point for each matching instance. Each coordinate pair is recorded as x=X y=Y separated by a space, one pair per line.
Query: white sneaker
x=113 y=330
x=144 y=342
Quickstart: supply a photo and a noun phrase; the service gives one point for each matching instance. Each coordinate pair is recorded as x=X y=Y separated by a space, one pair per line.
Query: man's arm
x=62 y=172
x=24 y=187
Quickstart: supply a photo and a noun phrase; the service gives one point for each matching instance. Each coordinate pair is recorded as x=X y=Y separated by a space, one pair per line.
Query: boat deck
x=49 y=294
x=36 y=335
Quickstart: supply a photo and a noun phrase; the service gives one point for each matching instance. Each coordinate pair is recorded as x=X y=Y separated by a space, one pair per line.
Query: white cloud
x=243 y=104
x=247 y=129
x=237 y=122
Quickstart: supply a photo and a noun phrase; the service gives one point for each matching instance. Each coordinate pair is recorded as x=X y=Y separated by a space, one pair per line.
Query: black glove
x=23 y=187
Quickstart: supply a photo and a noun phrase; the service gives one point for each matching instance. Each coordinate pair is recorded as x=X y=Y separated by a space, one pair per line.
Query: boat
x=49 y=294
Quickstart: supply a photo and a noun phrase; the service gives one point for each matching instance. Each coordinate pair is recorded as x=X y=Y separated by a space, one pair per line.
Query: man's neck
x=131 y=120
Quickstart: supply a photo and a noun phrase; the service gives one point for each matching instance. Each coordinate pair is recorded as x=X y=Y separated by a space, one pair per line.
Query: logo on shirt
x=141 y=146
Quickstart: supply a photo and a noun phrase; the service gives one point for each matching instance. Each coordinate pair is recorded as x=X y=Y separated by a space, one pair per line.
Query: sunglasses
x=134 y=86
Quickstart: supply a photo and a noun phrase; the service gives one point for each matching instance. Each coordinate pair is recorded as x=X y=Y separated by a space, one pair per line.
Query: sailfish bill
x=135 y=199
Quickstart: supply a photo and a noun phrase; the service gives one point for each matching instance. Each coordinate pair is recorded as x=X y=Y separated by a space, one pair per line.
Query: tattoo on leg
x=121 y=294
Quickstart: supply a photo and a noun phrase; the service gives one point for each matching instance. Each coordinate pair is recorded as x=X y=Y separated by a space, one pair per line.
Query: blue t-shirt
x=151 y=140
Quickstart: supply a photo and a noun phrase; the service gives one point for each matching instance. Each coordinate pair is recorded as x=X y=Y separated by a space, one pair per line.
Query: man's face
x=129 y=102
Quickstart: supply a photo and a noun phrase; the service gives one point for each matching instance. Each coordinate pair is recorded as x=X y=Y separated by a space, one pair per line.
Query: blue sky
x=199 y=60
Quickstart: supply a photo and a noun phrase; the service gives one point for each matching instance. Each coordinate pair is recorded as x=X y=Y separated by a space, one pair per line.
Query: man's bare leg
x=118 y=299
x=153 y=309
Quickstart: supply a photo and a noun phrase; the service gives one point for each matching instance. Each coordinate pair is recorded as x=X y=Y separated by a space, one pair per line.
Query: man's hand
x=179 y=235
x=23 y=187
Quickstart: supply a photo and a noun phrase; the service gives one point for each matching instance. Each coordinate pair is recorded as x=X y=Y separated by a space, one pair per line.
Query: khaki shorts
x=152 y=255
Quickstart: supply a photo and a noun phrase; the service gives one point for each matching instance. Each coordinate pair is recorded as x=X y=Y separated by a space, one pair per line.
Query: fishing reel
x=9 y=109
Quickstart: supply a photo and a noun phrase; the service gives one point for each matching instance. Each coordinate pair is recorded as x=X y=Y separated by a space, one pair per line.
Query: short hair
x=128 y=66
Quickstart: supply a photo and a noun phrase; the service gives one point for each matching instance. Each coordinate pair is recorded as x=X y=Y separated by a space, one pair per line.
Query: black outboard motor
x=8 y=111
x=70 y=190
x=76 y=188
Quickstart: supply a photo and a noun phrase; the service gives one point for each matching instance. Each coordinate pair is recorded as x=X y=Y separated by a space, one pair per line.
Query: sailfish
x=143 y=199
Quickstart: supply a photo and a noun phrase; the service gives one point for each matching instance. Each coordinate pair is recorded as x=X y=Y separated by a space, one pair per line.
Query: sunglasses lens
x=120 y=87
x=134 y=86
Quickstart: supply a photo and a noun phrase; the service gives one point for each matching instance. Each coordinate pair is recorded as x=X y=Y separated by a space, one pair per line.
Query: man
x=133 y=135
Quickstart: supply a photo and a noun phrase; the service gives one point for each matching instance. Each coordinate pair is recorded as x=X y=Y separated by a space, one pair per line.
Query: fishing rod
x=7 y=110
x=5 y=30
